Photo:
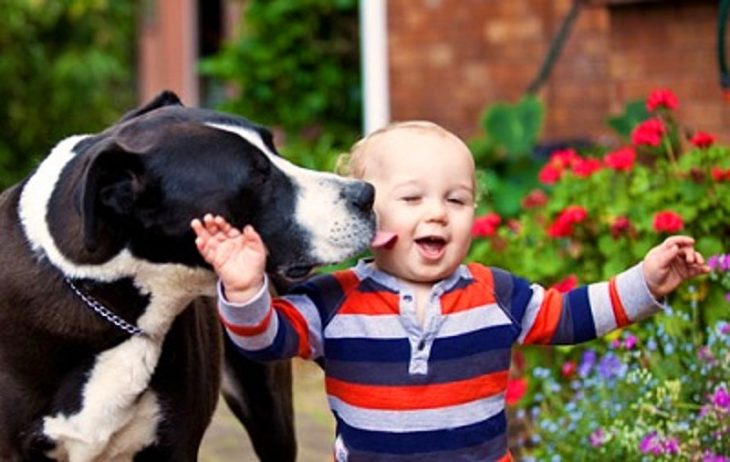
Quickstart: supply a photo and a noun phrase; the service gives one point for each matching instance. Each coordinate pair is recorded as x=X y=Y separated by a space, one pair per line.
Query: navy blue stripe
x=444 y=371
x=277 y=349
x=426 y=441
x=369 y=285
x=326 y=294
x=487 y=339
x=521 y=295
x=584 y=328
x=493 y=449
x=361 y=349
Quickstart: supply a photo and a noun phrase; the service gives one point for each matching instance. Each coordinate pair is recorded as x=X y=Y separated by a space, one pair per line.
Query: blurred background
x=517 y=79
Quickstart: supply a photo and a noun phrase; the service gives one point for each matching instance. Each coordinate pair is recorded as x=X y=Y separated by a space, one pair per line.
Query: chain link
x=105 y=312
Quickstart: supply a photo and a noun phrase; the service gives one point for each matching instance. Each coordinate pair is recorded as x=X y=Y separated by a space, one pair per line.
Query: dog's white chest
x=119 y=415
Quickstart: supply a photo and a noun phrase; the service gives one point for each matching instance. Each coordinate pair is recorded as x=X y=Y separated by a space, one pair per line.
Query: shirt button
x=407 y=298
x=421 y=345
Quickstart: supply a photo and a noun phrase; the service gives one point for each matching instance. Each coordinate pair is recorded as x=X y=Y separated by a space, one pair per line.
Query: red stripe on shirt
x=373 y=303
x=548 y=316
x=622 y=319
x=298 y=323
x=249 y=331
x=472 y=296
x=413 y=397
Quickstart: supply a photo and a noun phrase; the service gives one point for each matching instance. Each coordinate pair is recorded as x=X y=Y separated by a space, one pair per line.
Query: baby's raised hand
x=237 y=256
x=670 y=263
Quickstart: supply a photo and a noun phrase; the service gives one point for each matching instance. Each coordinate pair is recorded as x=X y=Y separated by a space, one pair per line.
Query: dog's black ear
x=110 y=186
x=165 y=98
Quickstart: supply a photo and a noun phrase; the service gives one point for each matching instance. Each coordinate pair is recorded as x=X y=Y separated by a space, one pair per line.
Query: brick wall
x=449 y=59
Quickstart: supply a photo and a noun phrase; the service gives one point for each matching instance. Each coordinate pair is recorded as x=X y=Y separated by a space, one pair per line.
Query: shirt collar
x=365 y=268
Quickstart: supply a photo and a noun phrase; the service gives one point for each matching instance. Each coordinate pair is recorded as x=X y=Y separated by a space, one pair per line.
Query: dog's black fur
x=116 y=220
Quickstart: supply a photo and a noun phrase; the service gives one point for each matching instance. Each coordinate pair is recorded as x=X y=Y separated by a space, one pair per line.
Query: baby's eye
x=457 y=200
x=410 y=198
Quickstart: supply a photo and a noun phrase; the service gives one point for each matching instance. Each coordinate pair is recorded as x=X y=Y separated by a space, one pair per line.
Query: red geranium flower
x=516 y=389
x=702 y=139
x=566 y=285
x=536 y=198
x=668 y=221
x=486 y=225
x=720 y=174
x=619 y=226
x=621 y=159
x=649 y=132
x=559 y=161
x=563 y=225
x=586 y=166
x=568 y=369
x=662 y=97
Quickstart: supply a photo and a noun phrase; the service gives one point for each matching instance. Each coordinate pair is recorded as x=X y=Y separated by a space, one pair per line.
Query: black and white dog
x=110 y=348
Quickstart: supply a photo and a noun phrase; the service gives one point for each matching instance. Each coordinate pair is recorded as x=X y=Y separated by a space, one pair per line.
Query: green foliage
x=634 y=112
x=66 y=67
x=296 y=66
x=504 y=154
x=597 y=214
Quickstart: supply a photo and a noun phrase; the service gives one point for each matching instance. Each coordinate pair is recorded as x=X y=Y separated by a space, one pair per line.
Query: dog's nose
x=361 y=196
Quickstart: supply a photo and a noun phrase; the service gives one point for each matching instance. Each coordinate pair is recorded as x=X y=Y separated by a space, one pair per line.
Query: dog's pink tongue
x=384 y=239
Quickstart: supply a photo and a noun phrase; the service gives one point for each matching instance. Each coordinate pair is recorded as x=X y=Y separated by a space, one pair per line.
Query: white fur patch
x=320 y=208
x=119 y=415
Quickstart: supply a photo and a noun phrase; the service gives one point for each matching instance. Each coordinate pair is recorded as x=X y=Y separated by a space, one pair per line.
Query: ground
x=226 y=441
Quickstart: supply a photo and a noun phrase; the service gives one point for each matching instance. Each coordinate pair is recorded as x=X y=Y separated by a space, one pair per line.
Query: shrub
x=658 y=389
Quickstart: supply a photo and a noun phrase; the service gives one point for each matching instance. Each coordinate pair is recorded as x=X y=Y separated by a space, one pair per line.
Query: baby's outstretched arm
x=670 y=263
x=237 y=256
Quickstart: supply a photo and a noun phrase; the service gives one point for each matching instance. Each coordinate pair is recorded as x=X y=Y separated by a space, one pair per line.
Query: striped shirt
x=405 y=391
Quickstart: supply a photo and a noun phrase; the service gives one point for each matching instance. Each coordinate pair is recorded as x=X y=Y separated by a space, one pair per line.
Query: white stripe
x=260 y=341
x=418 y=420
x=463 y=322
x=601 y=308
x=307 y=308
x=385 y=326
x=634 y=293
x=533 y=307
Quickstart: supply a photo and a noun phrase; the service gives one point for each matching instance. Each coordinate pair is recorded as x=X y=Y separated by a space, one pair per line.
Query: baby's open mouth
x=431 y=246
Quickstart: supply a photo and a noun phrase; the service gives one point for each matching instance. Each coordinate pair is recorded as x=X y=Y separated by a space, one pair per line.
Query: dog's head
x=138 y=184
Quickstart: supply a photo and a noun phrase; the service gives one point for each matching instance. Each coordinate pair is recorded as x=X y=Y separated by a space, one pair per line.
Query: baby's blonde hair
x=353 y=163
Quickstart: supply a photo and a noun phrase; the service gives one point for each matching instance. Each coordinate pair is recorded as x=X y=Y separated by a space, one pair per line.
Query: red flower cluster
x=516 y=389
x=648 y=132
x=568 y=369
x=568 y=159
x=702 y=139
x=661 y=97
x=536 y=198
x=621 y=159
x=563 y=225
x=619 y=226
x=667 y=221
x=566 y=285
x=486 y=225
x=720 y=174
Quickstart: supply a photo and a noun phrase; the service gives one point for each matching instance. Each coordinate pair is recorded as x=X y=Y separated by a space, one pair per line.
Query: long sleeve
x=267 y=328
x=546 y=316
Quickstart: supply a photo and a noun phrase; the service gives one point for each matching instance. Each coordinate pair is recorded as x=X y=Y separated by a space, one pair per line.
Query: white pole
x=374 y=47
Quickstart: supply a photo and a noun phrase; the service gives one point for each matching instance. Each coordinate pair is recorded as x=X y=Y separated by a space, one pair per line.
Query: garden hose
x=721 y=55
x=556 y=46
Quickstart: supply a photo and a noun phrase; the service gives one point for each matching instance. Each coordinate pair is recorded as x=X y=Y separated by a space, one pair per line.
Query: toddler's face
x=424 y=192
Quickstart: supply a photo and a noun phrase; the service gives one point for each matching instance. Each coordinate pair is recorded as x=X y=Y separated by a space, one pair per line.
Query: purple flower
x=597 y=437
x=587 y=363
x=670 y=445
x=721 y=398
x=713 y=262
x=610 y=366
x=719 y=262
x=712 y=457
x=630 y=342
x=725 y=327
x=727 y=296
x=704 y=354
x=650 y=444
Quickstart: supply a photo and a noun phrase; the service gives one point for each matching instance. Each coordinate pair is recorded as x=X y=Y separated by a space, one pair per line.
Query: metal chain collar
x=105 y=312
